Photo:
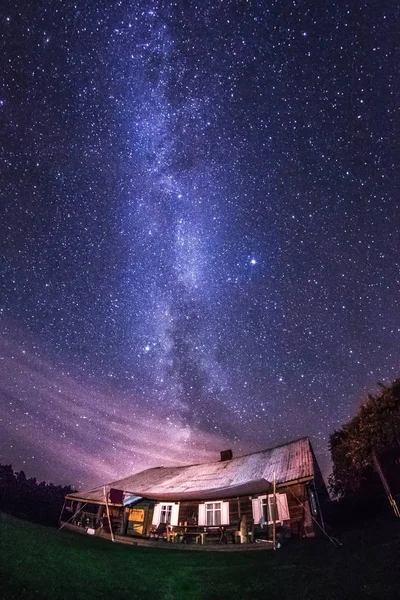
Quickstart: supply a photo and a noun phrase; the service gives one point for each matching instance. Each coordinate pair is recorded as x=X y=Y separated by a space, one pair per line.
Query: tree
x=375 y=428
x=26 y=498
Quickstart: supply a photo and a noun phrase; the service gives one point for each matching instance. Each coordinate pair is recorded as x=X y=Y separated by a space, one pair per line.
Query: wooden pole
x=99 y=516
x=385 y=484
x=274 y=517
x=108 y=515
x=61 y=513
x=125 y=519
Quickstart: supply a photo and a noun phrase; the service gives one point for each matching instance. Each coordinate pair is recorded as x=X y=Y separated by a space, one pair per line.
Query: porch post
x=385 y=484
x=124 y=518
x=108 y=515
x=274 y=517
x=99 y=515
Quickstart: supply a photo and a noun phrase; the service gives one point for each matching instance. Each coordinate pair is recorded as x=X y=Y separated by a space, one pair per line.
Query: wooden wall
x=189 y=512
x=239 y=507
x=300 y=524
x=300 y=520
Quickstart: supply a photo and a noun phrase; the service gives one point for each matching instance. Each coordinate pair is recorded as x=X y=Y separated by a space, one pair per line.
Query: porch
x=212 y=541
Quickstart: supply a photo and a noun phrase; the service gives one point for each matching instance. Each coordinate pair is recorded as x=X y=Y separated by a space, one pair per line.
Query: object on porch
x=159 y=531
x=243 y=532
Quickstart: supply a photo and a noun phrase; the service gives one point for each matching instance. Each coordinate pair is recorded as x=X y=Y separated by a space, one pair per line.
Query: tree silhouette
x=25 y=498
x=374 y=429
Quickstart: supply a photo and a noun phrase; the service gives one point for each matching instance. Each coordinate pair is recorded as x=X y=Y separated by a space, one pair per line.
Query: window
x=269 y=506
x=313 y=501
x=213 y=514
x=166 y=512
x=265 y=510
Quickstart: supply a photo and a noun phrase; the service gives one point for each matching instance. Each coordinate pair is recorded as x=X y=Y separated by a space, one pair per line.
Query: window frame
x=281 y=507
x=313 y=501
x=212 y=510
x=174 y=513
x=204 y=511
x=166 y=508
x=267 y=502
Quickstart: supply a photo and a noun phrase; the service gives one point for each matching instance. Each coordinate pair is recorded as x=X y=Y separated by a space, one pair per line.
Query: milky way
x=199 y=228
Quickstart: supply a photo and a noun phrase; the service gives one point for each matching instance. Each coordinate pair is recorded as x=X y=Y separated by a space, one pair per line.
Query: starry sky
x=199 y=224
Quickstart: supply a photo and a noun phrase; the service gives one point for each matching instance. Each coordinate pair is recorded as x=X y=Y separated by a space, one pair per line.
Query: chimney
x=226 y=455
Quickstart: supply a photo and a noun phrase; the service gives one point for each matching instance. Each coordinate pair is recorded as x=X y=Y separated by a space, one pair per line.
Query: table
x=179 y=534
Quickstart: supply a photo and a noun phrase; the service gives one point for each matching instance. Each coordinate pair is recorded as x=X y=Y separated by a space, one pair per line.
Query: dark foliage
x=355 y=509
x=27 y=499
x=374 y=429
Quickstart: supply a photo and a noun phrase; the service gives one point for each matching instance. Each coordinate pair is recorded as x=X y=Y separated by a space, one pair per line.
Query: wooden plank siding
x=238 y=507
x=189 y=512
x=300 y=520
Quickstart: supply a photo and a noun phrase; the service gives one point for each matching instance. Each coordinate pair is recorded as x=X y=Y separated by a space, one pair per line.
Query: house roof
x=250 y=474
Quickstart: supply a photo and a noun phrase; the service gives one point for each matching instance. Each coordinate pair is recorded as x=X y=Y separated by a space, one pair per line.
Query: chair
x=159 y=531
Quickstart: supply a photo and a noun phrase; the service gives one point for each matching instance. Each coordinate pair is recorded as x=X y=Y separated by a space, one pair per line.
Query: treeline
x=27 y=499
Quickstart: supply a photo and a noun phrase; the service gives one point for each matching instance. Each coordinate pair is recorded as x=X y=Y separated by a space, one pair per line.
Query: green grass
x=41 y=563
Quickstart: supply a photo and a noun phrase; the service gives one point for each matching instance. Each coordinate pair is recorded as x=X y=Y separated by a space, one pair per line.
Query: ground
x=42 y=563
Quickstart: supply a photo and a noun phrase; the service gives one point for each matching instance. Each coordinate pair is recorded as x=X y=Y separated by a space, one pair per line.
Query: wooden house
x=228 y=500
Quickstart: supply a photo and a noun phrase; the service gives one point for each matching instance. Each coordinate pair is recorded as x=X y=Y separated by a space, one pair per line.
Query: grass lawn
x=38 y=562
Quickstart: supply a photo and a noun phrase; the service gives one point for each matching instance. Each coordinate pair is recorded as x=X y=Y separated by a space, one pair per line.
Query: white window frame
x=158 y=508
x=213 y=513
x=202 y=521
x=282 y=505
x=166 y=513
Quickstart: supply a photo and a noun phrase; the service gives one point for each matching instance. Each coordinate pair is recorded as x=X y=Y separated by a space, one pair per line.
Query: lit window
x=166 y=513
x=270 y=509
x=213 y=513
x=266 y=509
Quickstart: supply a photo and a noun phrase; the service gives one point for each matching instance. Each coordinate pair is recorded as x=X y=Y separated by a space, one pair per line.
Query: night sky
x=199 y=228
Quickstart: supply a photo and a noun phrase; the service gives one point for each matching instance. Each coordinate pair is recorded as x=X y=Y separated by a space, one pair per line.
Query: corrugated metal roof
x=248 y=474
